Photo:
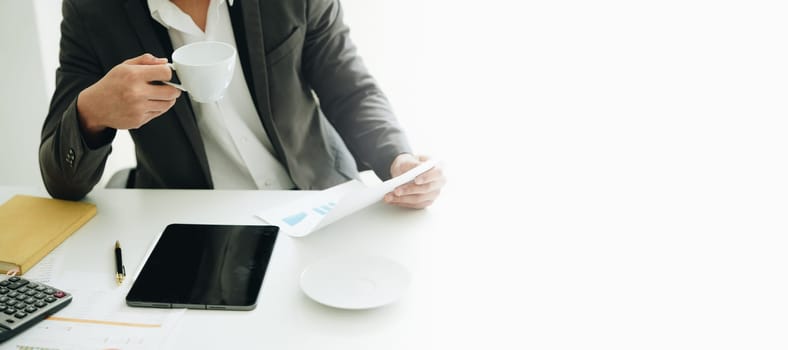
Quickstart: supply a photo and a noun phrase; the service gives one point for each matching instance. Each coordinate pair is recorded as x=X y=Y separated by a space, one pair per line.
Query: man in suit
x=301 y=112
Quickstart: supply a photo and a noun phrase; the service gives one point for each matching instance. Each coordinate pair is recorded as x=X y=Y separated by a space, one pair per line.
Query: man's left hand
x=422 y=191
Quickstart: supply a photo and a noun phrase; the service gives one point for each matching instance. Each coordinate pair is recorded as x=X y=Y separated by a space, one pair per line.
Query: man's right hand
x=125 y=98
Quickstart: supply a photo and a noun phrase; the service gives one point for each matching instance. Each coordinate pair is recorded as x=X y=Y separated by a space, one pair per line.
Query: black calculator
x=23 y=303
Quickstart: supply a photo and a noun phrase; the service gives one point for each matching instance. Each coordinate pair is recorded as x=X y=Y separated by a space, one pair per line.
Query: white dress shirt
x=240 y=154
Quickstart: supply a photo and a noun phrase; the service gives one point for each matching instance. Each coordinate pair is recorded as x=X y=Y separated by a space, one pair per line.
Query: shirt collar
x=169 y=15
x=157 y=4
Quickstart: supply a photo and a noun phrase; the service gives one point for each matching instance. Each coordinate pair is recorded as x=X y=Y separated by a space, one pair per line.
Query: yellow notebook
x=31 y=227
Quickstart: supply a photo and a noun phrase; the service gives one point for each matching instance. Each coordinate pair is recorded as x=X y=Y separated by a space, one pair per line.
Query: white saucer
x=355 y=282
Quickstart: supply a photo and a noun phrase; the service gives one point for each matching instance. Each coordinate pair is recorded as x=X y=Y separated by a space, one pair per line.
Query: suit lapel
x=139 y=16
x=250 y=14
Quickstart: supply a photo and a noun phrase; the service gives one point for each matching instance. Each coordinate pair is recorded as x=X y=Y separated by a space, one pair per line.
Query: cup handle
x=177 y=86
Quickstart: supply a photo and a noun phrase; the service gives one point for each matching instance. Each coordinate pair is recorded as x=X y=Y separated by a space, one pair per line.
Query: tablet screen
x=205 y=267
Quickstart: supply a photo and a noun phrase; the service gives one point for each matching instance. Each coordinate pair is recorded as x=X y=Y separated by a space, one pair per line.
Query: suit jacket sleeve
x=69 y=167
x=349 y=96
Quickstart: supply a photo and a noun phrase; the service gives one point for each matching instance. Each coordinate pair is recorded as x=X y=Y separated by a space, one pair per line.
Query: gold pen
x=120 y=273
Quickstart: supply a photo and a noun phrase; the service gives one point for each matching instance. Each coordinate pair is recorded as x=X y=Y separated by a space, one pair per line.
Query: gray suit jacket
x=293 y=52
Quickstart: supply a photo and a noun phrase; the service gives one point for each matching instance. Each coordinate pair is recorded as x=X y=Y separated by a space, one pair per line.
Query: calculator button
x=13 y=294
x=4 y=290
x=4 y=283
x=59 y=294
x=3 y=300
x=30 y=309
x=10 y=311
x=40 y=304
x=14 y=279
x=49 y=291
x=30 y=292
x=20 y=314
x=30 y=300
x=23 y=290
x=50 y=299
x=11 y=303
x=17 y=284
x=20 y=297
x=39 y=295
x=3 y=307
x=40 y=288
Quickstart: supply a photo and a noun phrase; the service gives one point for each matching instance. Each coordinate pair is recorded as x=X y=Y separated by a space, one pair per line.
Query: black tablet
x=197 y=266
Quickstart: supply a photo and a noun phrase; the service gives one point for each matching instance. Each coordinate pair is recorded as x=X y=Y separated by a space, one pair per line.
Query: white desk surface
x=285 y=318
x=589 y=264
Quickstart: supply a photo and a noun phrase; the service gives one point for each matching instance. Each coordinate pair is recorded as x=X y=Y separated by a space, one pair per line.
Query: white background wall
x=23 y=94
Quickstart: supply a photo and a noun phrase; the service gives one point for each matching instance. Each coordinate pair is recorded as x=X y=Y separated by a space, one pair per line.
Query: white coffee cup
x=205 y=69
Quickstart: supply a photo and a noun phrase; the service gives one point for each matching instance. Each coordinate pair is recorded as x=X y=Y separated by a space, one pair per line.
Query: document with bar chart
x=318 y=209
